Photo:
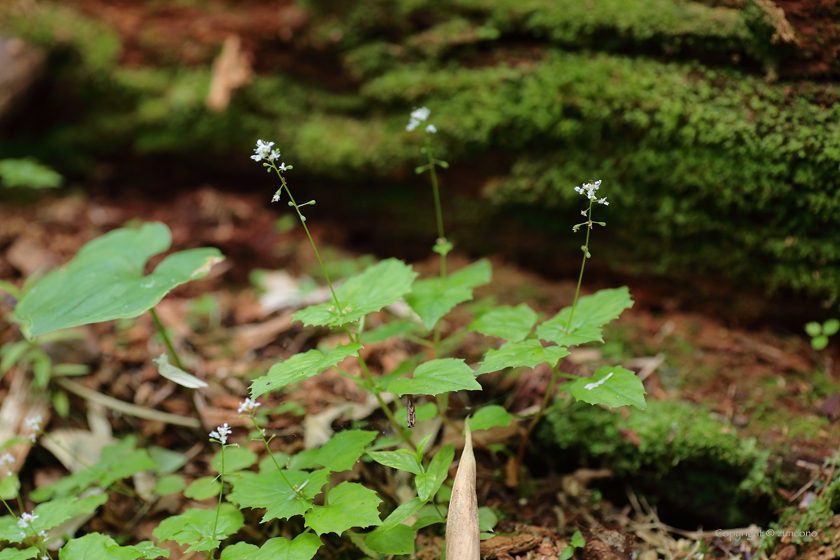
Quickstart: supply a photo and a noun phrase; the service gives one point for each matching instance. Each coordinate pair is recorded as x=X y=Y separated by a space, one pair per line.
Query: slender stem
x=438 y=211
x=582 y=265
x=309 y=235
x=390 y=415
x=221 y=491
x=8 y=508
x=166 y=339
x=273 y=459
x=521 y=455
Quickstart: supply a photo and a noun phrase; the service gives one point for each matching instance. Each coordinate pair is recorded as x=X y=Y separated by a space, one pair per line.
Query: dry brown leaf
x=231 y=70
x=462 y=529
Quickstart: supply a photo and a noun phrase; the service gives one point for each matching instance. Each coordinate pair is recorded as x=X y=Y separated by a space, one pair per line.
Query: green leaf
x=831 y=327
x=429 y=482
x=350 y=505
x=510 y=323
x=379 y=285
x=170 y=484
x=176 y=374
x=240 y=551
x=396 y=460
x=279 y=459
x=819 y=342
x=435 y=377
x=430 y=515
x=386 y=331
x=10 y=289
x=271 y=490
x=577 y=540
x=490 y=417
x=591 y=314
x=12 y=353
x=105 y=280
x=528 y=353
x=167 y=461
x=195 y=526
x=28 y=173
x=49 y=515
x=95 y=546
x=236 y=459
x=12 y=554
x=203 y=488
x=388 y=538
x=303 y=547
x=611 y=385
x=435 y=297
x=300 y=367
x=9 y=487
x=344 y=449
x=567 y=553
x=813 y=328
x=487 y=519
x=395 y=540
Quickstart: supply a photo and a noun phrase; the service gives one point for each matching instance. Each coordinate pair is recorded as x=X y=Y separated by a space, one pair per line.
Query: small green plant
x=105 y=282
x=820 y=333
x=28 y=173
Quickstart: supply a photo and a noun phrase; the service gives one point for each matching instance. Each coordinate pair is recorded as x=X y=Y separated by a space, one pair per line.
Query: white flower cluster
x=7 y=459
x=418 y=116
x=220 y=434
x=264 y=151
x=247 y=406
x=34 y=424
x=26 y=519
x=588 y=189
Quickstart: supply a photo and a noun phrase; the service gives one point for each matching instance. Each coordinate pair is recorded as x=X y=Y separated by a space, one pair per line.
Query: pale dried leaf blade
x=231 y=70
x=462 y=527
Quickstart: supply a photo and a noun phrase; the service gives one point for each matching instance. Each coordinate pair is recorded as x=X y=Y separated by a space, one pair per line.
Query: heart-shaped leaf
x=379 y=285
x=527 y=353
x=435 y=377
x=510 y=323
x=433 y=298
x=611 y=385
x=105 y=280
x=300 y=367
x=591 y=314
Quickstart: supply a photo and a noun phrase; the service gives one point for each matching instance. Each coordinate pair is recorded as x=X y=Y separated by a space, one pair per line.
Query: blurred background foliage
x=714 y=125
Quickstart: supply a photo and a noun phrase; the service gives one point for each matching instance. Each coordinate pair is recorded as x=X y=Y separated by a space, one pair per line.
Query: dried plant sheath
x=462 y=532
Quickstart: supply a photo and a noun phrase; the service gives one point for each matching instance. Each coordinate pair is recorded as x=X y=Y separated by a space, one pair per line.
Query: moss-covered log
x=717 y=155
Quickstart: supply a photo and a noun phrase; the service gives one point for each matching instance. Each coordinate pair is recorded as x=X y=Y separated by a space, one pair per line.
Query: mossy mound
x=695 y=466
x=709 y=166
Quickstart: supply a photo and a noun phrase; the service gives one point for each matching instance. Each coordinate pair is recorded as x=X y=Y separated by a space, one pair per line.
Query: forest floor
x=769 y=388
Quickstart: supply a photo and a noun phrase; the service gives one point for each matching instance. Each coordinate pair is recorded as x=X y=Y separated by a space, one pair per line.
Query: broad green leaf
x=591 y=314
x=611 y=385
x=578 y=540
x=271 y=490
x=166 y=461
x=170 y=484
x=403 y=512
x=395 y=460
x=176 y=374
x=510 y=323
x=195 y=526
x=95 y=546
x=379 y=285
x=105 y=280
x=429 y=482
x=396 y=540
x=831 y=327
x=303 y=547
x=277 y=459
x=236 y=459
x=430 y=515
x=435 y=377
x=350 y=505
x=240 y=551
x=343 y=450
x=12 y=353
x=490 y=417
x=300 y=367
x=813 y=328
x=487 y=519
x=10 y=289
x=528 y=353
x=386 y=331
x=567 y=553
x=49 y=515
x=28 y=173
x=203 y=488
x=435 y=297
x=12 y=554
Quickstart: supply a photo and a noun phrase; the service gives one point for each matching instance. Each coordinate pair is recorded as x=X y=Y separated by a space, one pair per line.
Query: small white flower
x=274 y=155
x=431 y=128
x=248 y=405
x=7 y=459
x=275 y=198
x=282 y=166
x=420 y=114
x=604 y=201
x=34 y=422
x=263 y=150
x=33 y=438
x=26 y=519
x=412 y=124
x=220 y=434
